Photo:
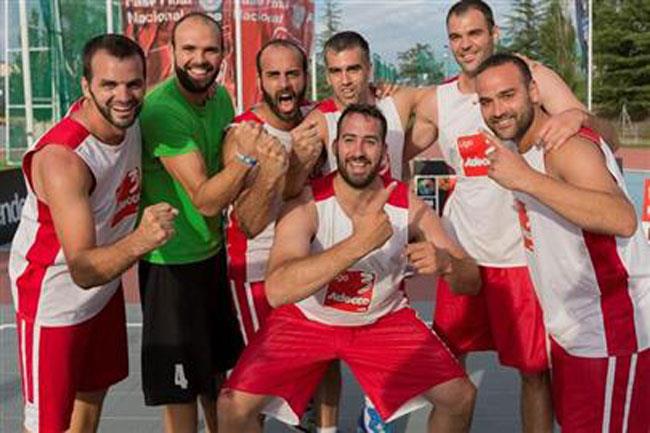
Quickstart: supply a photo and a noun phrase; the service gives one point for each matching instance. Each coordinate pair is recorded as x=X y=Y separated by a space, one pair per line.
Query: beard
x=274 y=104
x=523 y=121
x=190 y=84
x=358 y=182
x=105 y=111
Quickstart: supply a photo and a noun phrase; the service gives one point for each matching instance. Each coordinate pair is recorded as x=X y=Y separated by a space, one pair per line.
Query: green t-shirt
x=173 y=126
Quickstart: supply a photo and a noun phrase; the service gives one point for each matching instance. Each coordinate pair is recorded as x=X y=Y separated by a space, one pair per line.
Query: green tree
x=557 y=38
x=522 y=25
x=622 y=57
x=418 y=66
x=80 y=21
x=331 y=19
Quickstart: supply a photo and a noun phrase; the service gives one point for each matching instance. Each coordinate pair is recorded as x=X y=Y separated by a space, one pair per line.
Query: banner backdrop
x=150 y=23
x=261 y=21
x=12 y=198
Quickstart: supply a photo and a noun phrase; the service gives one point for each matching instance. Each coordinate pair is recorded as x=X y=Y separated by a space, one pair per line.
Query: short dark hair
x=505 y=58
x=206 y=18
x=463 y=6
x=115 y=45
x=285 y=43
x=345 y=41
x=367 y=110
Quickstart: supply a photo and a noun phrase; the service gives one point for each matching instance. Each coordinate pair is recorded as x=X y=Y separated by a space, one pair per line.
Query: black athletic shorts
x=190 y=330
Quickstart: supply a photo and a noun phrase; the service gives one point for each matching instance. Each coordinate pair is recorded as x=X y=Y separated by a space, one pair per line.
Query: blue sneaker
x=370 y=422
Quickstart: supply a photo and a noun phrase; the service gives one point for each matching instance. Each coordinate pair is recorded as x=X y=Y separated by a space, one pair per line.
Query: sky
x=392 y=26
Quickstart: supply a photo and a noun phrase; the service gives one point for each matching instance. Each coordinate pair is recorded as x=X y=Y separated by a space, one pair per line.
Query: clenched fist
x=272 y=157
x=427 y=259
x=247 y=135
x=156 y=225
x=306 y=143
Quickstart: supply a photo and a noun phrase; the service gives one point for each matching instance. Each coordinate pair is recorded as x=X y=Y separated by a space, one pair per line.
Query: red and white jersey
x=41 y=284
x=394 y=133
x=482 y=213
x=594 y=289
x=373 y=286
x=247 y=257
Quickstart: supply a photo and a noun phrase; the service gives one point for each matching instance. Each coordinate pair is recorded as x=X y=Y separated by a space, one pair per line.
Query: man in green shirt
x=190 y=333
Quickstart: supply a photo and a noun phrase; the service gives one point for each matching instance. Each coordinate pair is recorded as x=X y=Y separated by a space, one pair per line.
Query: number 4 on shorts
x=179 y=376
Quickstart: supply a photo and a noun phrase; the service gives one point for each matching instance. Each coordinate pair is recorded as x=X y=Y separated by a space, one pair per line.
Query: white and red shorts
x=505 y=316
x=57 y=362
x=252 y=306
x=601 y=395
x=395 y=360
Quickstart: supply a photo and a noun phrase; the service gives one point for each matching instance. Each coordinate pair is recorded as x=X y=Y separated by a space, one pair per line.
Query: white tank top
x=41 y=283
x=394 y=134
x=372 y=287
x=247 y=258
x=482 y=213
x=594 y=289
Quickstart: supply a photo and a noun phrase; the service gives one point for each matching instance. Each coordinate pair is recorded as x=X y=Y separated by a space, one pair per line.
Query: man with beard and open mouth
x=280 y=174
x=585 y=249
x=335 y=277
x=190 y=332
x=76 y=238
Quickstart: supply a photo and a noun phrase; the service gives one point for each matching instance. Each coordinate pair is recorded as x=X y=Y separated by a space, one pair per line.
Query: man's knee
x=235 y=406
x=456 y=396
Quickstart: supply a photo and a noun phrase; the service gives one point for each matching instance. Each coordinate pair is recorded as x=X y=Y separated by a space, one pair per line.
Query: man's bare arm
x=434 y=251
x=578 y=185
x=260 y=201
x=294 y=273
x=568 y=113
x=424 y=131
x=211 y=195
x=62 y=181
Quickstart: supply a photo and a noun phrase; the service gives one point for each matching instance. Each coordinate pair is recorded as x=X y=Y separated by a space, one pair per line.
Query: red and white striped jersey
x=394 y=134
x=373 y=286
x=42 y=287
x=594 y=289
x=482 y=212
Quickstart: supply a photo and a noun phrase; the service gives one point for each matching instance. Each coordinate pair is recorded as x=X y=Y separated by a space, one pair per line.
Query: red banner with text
x=150 y=23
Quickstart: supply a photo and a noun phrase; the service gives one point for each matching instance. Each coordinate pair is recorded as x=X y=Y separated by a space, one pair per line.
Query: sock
x=326 y=429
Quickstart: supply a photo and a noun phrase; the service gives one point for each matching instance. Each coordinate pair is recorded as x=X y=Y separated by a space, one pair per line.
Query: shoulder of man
x=327 y=106
x=161 y=102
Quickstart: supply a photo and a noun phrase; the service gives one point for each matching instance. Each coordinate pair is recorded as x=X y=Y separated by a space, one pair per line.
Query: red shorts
x=505 y=316
x=251 y=305
x=395 y=360
x=601 y=394
x=57 y=362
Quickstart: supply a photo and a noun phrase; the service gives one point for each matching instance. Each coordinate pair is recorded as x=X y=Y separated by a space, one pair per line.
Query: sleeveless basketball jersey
x=41 y=283
x=394 y=133
x=373 y=286
x=481 y=211
x=247 y=257
x=594 y=289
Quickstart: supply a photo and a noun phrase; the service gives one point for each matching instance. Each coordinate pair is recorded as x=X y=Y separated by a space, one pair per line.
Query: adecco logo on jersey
x=351 y=291
x=472 y=153
x=127 y=196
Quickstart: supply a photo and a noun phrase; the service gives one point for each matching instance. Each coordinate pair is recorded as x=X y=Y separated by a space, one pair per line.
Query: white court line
x=4 y=326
